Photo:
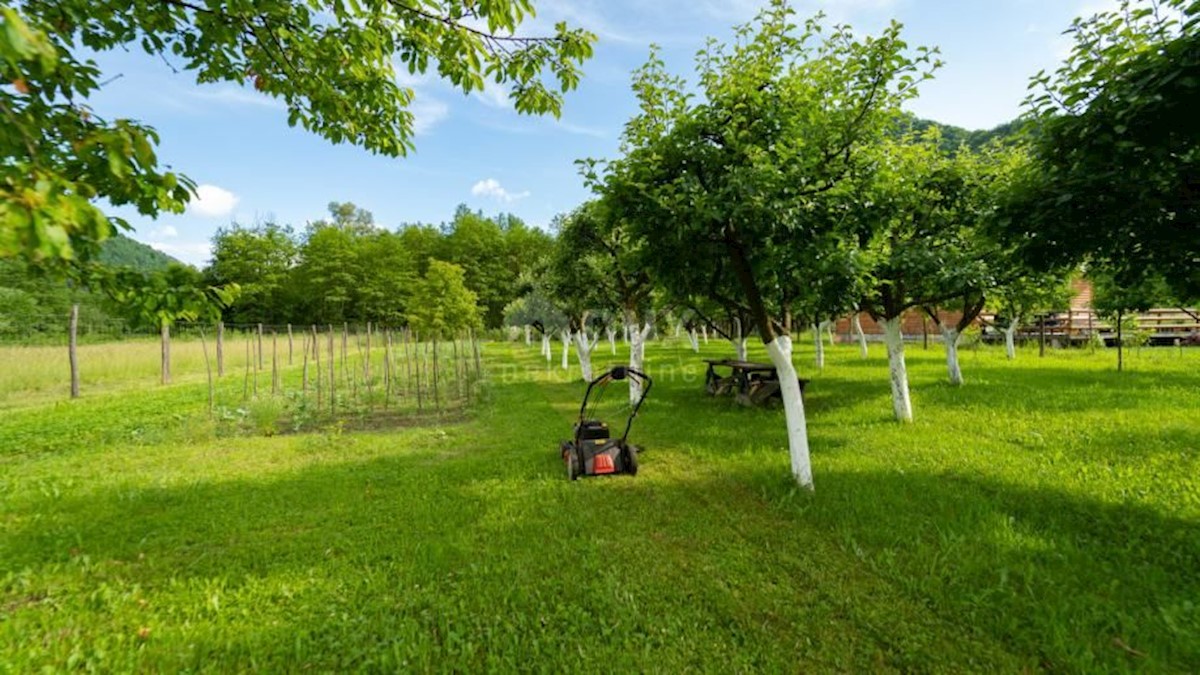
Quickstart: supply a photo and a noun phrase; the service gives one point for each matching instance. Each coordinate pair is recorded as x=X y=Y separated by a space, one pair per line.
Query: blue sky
x=475 y=150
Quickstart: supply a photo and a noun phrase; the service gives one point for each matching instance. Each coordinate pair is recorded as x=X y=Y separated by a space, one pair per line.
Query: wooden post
x=73 y=350
x=387 y=368
x=420 y=366
x=475 y=349
x=208 y=372
x=367 y=361
x=332 y=375
x=260 y=349
x=1042 y=334
x=408 y=373
x=246 y=383
x=289 y=327
x=304 y=376
x=257 y=360
x=457 y=383
x=437 y=401
x=220 y=349
x=165 y=332
x=274 y=362
x=924 y=333
x=317 y=357
x=1120 y=343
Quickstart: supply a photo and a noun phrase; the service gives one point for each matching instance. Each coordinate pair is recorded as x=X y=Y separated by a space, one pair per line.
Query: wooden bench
x=752 y=384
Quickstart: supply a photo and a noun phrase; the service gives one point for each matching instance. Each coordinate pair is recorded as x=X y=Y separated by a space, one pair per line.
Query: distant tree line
x=346 y=268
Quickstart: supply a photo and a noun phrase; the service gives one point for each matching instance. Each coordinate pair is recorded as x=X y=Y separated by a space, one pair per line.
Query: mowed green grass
x=1044 y=516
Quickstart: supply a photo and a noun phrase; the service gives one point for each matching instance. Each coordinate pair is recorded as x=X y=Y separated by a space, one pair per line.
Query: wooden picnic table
x=751 y=383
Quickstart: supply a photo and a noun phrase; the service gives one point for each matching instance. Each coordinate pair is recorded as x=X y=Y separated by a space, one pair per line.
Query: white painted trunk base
x=950 y=338
x=827 y=326
x=583 y=352
x=862 y=337
x=546 y=350
x=1010 y=341
x=897 y=370
x=636 y=354
x=693 y=340
x=819 y=343
x=612 y=339
x=528 y=336
x=566 y=350
x=780 y=351
x=739 y=346
x=704 y=332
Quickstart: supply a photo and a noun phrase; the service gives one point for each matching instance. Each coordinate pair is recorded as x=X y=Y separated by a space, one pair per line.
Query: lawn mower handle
x=619 y=373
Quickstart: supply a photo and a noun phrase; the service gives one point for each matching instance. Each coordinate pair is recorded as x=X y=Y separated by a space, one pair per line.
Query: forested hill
x=121 y=251
x=954 y=137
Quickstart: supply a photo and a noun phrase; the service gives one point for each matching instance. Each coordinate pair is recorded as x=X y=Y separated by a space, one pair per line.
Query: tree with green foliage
x=259 y=259
x=1117 y=146
x=332 y=63
x=1118 y=300
x=610 y=258
x=1023 y=295
x=441 y=304
x=758 y=164
x=535 y=310
x=579 y=281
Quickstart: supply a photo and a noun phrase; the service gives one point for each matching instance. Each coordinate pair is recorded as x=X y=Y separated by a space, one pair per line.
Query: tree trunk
x=950 y=337
x=208 y=371
x=897 y=371
x=1042 y=335
x=819 y=344
x=220 y=349
x=566 y=350
x=829 y=331
x=612 y=339
x=780 y=350
x=626 y=333
x=547 y=351
x=583 y=352
x=704 y=333
x=637 y=355
x=1010 y=342
x=165 y=332
x=1120 y=343
x=73 y=350
x=739 y=346
x=693 y=340
x=528 y=336
x=856 y=322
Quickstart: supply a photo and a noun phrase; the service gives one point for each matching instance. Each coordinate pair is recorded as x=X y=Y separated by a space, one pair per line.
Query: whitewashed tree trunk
x=828 y=327
x=626 y=334
x=612 y=339
x=950 y=338
x=897 y=371
x=862 y=337
x=693 y=340
x=739 y=340
x=1010 y=341
x=678 y=329
x=780 y=350
x=704 y=333
x=819 y=343
x=583 y=352
x=528 y=336
x=546 y=350
x=566 y=350
x=637 y=354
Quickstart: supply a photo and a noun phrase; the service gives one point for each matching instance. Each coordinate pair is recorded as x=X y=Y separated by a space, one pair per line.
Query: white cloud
x=196 y=253
x=231 y=95
x=427 y=113
x=490 y=187
x=165 y=232
x=494 y=95
x=212 y=202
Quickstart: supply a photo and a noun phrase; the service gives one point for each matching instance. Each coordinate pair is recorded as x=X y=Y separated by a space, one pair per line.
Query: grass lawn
x=1044 y=516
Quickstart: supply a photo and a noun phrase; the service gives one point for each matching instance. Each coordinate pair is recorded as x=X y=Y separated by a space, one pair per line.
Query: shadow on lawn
x=1055 y=578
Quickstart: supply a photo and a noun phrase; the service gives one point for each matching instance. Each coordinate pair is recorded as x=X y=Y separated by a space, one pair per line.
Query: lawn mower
x=593 y=452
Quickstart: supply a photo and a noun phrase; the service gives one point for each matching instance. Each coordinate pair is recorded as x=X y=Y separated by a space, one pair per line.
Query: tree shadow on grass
x=490 y=556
